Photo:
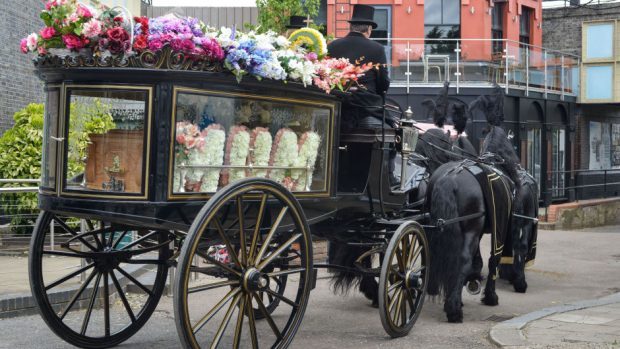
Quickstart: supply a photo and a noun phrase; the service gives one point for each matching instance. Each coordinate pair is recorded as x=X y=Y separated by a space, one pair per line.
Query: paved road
x=572 y=265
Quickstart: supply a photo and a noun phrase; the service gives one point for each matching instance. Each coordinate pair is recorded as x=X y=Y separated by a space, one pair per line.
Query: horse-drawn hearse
x=164 y=160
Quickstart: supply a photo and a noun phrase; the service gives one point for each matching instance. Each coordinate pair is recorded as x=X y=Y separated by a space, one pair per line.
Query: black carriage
x=148 y=169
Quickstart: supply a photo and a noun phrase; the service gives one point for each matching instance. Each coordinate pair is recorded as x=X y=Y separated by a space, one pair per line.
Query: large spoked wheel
x=96 y=284
x=265 y=272
x=404 y=276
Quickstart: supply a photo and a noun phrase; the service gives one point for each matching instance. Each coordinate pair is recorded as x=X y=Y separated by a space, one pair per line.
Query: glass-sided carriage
x=147 y=169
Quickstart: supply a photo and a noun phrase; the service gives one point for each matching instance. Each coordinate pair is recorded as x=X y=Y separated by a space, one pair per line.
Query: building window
x=497 y=27
x=442 y=20
x=558 y=156
x=533 y=160
x=599 y=81
x=599 y=41
x=524 y=25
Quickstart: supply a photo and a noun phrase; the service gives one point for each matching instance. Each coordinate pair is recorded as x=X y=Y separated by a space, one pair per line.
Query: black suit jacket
x=367 y=100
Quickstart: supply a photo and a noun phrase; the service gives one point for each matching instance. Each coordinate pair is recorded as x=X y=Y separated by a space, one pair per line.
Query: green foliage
x=274 y=14
x=86 y=119
x=22 y=145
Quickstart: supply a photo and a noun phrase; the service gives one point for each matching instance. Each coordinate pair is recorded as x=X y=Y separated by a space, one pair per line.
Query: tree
x=274 y=14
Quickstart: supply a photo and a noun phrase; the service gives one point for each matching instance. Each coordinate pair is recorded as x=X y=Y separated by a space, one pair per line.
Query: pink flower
x=23 y=45
x=83 y=11
x=92 y=28
x=155 y=45
x=31 y=41
x=48 y=33
x=312 y=56
x=73 y=41
x=74 y=18
x=42 y=51
x=180 y=138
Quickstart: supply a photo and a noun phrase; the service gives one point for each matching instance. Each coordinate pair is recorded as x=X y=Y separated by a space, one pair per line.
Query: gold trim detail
x=146 y=151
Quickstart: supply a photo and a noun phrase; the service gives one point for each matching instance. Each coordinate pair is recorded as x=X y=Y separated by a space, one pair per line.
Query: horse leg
x=454 y=300
x=519 y=251
x=490 y=296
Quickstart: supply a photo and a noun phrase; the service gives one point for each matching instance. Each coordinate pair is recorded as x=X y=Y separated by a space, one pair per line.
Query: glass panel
x=558 y=154
x=50 y=146
x=536 y=67
x=524 y=22
x=106 y=139
x=534 y=154
x=432 y=12
x=442 y=47
x=451 y=12
x=599 y=40
x=222 y=139
x=599 y=81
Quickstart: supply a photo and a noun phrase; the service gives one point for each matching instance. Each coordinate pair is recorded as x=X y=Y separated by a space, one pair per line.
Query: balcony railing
x=479 y=62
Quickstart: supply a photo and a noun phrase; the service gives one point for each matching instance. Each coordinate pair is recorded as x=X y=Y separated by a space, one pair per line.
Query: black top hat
x=296 y=22
x=364 y=14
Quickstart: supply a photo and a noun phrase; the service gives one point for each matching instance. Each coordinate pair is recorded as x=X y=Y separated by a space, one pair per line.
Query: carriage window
x=221 y=139
x=50 y=137
x=106 y=140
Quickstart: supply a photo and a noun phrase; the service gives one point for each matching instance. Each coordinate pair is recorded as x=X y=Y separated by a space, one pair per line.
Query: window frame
x=64 y=127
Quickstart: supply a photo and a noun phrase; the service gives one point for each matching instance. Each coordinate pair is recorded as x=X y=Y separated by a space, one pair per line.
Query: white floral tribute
x=260 y=145
x=210 y=154
x=237 y=149
x=308 y=151
x=283 y=154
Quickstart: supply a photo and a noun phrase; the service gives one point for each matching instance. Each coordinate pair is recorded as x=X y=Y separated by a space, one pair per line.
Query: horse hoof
x=490 y=299
x=520 y=285
x=375 y=303
x=456 y=317
x=473 y=287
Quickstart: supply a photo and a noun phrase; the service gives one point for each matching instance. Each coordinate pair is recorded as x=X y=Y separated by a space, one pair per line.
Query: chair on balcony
x=436 y=62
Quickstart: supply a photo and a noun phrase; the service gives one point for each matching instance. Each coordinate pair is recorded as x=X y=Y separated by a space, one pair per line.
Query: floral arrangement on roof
x=76 y=30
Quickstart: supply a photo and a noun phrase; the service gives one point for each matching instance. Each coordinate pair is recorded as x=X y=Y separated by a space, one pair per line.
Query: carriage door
x=383 y=33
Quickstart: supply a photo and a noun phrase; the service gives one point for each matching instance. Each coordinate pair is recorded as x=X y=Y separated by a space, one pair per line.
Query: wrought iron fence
x=588 y=184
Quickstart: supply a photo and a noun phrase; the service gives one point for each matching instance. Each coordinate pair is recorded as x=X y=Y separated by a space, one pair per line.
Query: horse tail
x=344 y=255
x=446 y=240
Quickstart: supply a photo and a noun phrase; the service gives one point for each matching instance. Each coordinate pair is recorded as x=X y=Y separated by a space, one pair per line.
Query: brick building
x=18 y=84
x=593 y=32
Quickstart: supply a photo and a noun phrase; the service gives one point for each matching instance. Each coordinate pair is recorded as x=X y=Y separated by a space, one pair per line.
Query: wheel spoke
x=272 y=231
x=212 y=286
x=128 y=246
x=119 y=239
x=244 y=253
x=282 y=298
x=252 y=322
x=136 y=282
x=106 y=304
x=121 y=294
x=66 y=254
x=225 y=321
x=415 y=255
x=68 y=229
x=232 y=293
x=89 y=311
x=403 y=312
x=398 y=308
x=229 y=248
x=410 y=254
x=285 y=272
x=146 y=261
x=239 y=325
x=277 y=252
x=268 y=317
x=77 y=295
x=392 y=302
x=70 y=276
x=394 y=285
x=259 y=219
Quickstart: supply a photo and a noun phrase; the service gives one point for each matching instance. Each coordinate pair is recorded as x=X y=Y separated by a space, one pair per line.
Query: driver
x=363 y=108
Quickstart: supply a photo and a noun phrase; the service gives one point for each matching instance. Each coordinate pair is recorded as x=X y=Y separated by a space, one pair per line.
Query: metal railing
x=480 y=62
x=16 y=218
x=588 y=184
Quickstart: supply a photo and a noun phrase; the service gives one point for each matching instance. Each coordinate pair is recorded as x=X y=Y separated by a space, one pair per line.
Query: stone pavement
x=584 y=324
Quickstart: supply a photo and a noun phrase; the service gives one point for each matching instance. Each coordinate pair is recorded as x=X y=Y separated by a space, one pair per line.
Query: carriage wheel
x=212 y=290
x=404 y=276
x=97 y=286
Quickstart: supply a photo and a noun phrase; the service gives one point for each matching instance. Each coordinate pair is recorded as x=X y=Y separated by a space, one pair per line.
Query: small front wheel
x=247 y=259
x=404 y=276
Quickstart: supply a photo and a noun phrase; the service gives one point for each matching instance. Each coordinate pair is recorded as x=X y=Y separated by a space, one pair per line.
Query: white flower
x=282 y=42
x=31 y=41
x=261 y=150
x=284 y=153
x=224 y=38
x=239 y=154
x=308 y=152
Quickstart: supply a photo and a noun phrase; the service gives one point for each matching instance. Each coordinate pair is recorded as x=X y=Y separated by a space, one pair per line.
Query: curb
x=509 y=333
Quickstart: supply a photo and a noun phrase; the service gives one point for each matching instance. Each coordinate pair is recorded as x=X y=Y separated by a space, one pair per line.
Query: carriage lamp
x=406 y=140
